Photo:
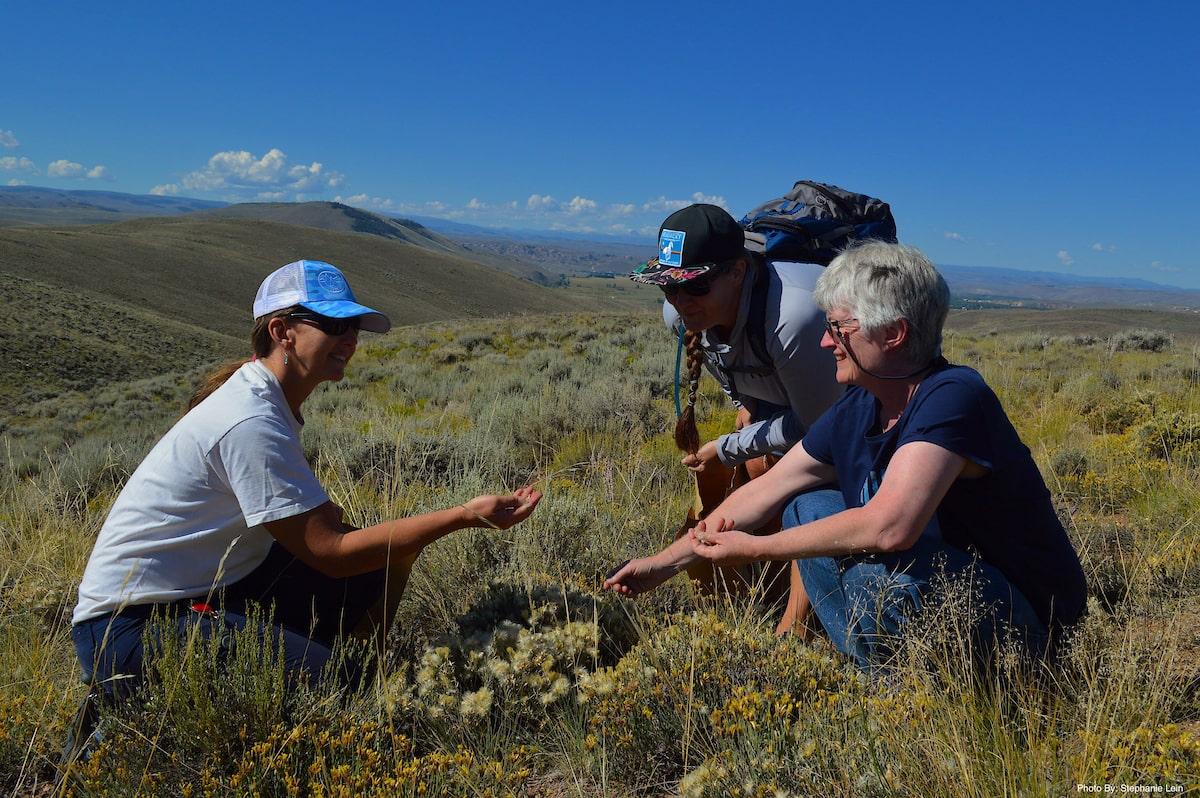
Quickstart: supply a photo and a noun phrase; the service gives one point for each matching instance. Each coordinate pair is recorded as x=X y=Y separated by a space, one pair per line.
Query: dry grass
x=522 y=680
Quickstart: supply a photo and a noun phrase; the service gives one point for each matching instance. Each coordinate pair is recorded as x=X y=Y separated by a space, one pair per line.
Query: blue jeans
x=310 y=611
x=865 y=601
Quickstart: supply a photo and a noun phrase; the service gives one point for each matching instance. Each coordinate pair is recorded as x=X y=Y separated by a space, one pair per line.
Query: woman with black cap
x=751 y=320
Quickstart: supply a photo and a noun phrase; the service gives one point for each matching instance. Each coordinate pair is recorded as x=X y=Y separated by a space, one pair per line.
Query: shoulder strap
x=756 y=332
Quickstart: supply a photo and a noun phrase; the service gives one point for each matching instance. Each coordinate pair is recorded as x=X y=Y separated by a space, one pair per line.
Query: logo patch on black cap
x=670 y=247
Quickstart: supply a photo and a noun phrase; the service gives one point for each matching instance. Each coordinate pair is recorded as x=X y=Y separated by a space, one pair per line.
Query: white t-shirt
x=190 y=518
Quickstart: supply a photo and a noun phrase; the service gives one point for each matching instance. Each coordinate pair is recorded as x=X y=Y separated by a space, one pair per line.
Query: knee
x=812 y=505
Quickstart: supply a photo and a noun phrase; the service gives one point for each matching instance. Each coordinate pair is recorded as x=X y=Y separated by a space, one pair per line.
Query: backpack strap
x=756 y=332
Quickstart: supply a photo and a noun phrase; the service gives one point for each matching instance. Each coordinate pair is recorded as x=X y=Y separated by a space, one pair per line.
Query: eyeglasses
x=327 y=324
x=835 y=328
x=698 y=287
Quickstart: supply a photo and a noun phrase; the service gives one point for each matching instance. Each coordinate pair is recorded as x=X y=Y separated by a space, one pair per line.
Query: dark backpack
x=810 y=224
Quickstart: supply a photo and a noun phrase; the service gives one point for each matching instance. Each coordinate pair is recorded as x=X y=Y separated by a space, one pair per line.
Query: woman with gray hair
x=932 y=479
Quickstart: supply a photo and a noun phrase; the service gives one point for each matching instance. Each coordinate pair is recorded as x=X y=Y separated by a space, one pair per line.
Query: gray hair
x=881 y=283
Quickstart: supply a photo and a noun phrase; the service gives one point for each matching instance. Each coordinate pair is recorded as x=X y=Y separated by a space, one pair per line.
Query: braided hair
x=687 y=437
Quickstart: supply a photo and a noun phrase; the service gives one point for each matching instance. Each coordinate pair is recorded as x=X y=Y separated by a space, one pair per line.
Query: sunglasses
x=327 y=324
x=698 y=287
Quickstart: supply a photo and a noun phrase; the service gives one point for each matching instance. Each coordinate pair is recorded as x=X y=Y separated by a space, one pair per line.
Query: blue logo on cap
x=670 y=248
x=332 y=284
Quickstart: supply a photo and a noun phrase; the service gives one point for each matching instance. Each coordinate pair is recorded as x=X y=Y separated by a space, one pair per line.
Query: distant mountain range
x=974 y=286
x=546 y=257
x=34 y=205
x=450 y=227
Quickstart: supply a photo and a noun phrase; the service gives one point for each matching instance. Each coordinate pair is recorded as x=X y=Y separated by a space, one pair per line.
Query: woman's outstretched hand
x=637 y=576
x=502 y=512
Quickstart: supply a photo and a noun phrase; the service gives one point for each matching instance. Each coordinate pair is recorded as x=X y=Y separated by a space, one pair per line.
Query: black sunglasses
x=327 y=324
x=699 y=286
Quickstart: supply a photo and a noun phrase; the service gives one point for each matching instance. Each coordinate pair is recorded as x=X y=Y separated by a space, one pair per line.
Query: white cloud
x=165 y=190
x=954 y=236
x=1159 y=266
x=476 y=205
x=69 y=169
x=540 y=202
x=16 y=182
x=11 y=163
x=243 y=173
x=580 y=204
x=64 y=168
x=1098 y=247
x=368 y=202
x=711 y=199
x=622 y=209
x=1065 y=258
x=8 y=140
x=270 y=196
x=666 y=205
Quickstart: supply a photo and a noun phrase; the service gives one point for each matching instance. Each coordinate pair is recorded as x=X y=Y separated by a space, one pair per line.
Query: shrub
x=1143 y=340
x=663 y=702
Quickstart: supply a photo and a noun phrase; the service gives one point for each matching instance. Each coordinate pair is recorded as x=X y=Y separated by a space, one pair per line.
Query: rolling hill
x=344 y=218
x=94 y=305
x=333 y=216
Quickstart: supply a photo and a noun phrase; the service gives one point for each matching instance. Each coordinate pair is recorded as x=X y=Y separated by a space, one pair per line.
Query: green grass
x=618 y=293
x=524 y=680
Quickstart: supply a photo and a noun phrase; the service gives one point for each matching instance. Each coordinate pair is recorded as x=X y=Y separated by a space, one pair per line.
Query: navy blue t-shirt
x=1006 y=516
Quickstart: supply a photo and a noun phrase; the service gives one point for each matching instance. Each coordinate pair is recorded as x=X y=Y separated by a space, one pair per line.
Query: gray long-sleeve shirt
x=803 y=379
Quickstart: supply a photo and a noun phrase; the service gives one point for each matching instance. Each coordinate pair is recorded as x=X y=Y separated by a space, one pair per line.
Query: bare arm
x=752 y=505
x=914 y=485
x=760 y=500
x=319 y=539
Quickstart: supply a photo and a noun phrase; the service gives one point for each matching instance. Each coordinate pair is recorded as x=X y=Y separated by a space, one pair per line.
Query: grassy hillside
x=332 y=216
x=103 y=296
x=520 y=679
x=1097 y=322
x=57 y=340
x=344 y=218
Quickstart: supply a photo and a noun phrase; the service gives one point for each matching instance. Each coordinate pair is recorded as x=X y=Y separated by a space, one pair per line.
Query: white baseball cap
x=320 y=287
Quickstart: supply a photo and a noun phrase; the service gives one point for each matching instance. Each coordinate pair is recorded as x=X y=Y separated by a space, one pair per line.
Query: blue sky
x=1056 y=136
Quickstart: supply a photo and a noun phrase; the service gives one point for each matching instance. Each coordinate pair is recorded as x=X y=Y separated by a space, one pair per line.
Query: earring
x=285 y=358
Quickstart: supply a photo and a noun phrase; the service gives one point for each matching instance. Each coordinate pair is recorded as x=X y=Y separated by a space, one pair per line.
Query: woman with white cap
x=225 y=512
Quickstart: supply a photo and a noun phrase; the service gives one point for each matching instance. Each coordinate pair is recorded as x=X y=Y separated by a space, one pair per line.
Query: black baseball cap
x=692 y=242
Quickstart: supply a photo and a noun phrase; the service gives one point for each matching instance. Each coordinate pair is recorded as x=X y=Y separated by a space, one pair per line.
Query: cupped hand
x=704 y=455
x=502 y=512
x=637 y=576
x=717 y=541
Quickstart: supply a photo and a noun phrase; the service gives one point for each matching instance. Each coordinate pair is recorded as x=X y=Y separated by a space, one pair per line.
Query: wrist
x=762 y=547
x=673 y=561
